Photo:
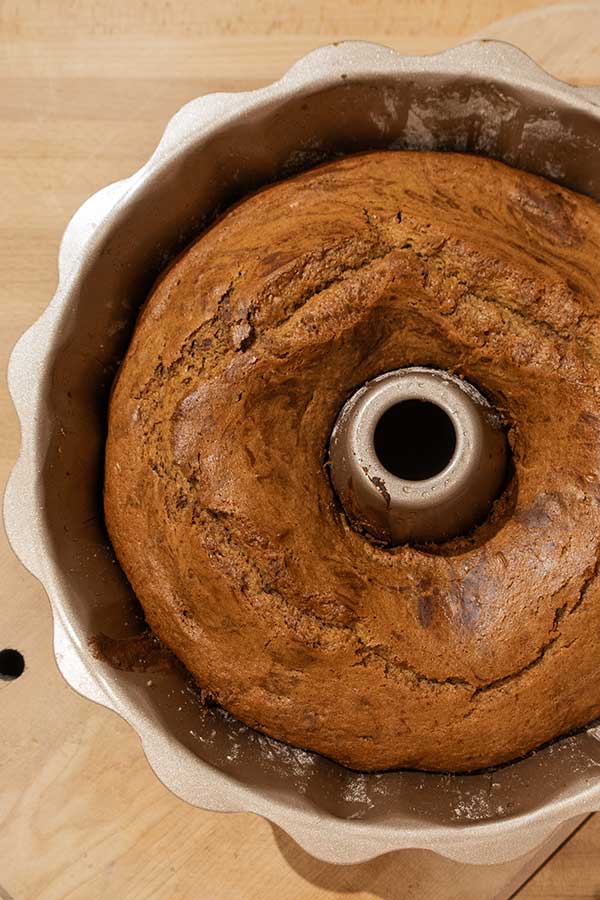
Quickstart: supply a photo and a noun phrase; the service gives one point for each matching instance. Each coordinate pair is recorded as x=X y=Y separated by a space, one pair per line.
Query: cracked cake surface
x=217 y=495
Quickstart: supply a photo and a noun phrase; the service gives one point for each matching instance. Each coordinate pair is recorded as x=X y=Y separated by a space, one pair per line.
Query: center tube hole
x=415 y=440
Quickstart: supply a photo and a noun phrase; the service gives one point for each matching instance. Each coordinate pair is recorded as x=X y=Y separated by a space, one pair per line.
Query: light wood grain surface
x=86 y=89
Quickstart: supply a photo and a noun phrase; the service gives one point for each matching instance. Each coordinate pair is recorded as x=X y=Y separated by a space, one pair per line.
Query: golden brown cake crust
x=219 y=504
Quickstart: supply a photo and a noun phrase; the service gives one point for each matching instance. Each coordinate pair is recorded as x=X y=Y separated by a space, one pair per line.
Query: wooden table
x=86 y=91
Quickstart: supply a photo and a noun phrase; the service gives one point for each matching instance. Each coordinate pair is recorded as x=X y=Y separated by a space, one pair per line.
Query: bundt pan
x=484 y=97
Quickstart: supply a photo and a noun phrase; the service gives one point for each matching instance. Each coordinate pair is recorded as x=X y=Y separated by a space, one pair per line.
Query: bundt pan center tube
x=417 y=455
x=484 y=98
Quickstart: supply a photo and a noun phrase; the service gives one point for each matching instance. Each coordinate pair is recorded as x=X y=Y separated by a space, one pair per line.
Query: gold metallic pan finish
x=482 y=97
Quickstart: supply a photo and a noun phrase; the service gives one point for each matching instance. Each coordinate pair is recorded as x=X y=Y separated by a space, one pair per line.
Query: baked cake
x=218 y=500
